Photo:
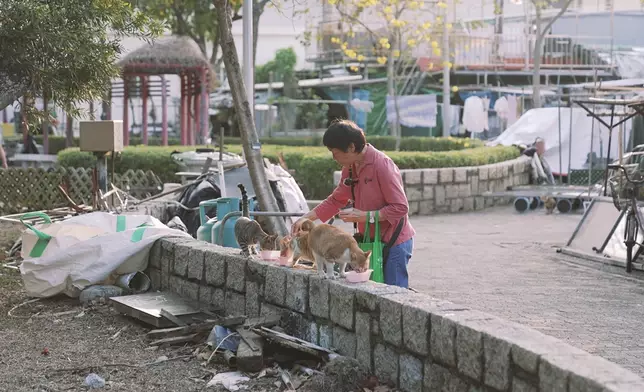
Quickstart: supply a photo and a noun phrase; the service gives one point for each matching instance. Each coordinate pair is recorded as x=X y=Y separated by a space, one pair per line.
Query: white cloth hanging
x=501 y=108
x=486 y=117
x=474 y=115
x=513 y=114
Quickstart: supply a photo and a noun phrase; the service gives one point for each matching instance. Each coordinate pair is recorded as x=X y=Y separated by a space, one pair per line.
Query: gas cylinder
x=204 y=232
x=225 y=206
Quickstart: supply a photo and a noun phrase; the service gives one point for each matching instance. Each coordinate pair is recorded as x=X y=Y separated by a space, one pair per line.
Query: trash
x=45 y=351
x=342 y=374
x=79 y=315
x=229 y=380
x=177 y=224
x=98 y=294
x=135 y=282
x=94 y=381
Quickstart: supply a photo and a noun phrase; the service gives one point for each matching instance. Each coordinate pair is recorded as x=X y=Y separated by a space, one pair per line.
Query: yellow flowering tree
x=384 y=32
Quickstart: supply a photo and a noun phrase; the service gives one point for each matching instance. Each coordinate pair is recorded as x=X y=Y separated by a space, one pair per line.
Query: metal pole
x=446 y=81
x=249 y=77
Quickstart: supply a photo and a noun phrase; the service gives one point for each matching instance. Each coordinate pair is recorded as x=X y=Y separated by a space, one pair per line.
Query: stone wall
x=432 y=191
x=418 y=342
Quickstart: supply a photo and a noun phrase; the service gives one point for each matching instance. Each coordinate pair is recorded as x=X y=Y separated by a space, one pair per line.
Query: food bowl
x=283 y=260
x=270 y=255
x=358 y=277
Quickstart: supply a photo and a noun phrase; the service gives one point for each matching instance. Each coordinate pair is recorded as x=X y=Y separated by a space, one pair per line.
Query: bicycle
x=634 y=217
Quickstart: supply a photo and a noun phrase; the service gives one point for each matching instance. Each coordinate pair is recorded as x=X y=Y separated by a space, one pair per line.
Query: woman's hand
x=353 y=215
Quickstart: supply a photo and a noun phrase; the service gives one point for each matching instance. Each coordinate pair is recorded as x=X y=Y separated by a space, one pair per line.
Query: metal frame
x=638 y=106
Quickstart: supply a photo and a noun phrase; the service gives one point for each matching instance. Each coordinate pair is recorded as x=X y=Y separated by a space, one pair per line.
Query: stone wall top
x=418 y=342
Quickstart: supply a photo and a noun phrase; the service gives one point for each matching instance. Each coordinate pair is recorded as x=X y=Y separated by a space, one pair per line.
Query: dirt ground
x=53 y=344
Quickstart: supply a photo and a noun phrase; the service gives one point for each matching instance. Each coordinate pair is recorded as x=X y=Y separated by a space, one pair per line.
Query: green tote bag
x=376 y=261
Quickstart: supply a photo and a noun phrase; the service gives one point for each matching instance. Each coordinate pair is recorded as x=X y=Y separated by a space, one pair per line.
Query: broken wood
x=206 y=326
x=250 y=353
x=294 y=343
x=169 y=316
x=175 y=340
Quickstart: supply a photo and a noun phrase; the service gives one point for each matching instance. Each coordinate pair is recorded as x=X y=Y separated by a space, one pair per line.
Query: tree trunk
x=10 y=90
x=538 y=43
x=536 y=62
x=394 y=127
x=249 y=137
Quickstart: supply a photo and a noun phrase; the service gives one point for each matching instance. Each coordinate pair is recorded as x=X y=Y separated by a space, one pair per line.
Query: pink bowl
x=283 y=260
x=270 y=255
x=359 y=277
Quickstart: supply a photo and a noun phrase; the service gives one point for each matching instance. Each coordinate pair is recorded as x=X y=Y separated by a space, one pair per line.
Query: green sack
x=375 y=261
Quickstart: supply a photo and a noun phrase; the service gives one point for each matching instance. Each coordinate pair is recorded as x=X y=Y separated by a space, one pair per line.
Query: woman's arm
x=393 y=191
x=332 y=204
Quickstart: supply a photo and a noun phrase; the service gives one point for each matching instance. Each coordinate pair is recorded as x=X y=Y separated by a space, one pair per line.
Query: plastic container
x=283 y=260
x=270 y=255
x=135 y=282
x=358 y=277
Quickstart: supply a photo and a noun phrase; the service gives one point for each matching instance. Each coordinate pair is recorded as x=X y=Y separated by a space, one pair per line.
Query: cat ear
x=367 y=254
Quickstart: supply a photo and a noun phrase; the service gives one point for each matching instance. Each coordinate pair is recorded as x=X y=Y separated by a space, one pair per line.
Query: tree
x=196 y=19
x=540 y=33
x=250 y=140
x=387 y=31
x=64 y=49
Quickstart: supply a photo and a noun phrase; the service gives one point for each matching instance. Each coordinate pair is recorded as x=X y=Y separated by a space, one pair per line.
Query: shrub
x=384 y=143
x=314 y=166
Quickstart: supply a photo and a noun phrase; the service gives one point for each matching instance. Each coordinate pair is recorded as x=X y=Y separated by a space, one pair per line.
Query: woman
x=373 y=182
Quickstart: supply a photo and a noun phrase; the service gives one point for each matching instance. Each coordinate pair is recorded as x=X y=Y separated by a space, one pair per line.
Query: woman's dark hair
x=340 y=135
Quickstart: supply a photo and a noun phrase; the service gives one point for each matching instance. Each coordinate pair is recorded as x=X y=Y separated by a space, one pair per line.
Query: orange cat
x=327 y=245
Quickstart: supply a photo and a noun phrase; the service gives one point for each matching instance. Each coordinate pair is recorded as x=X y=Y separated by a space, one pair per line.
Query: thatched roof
x=166 y=55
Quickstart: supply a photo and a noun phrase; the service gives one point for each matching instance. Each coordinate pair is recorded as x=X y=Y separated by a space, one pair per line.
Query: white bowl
x=270 y=255
x=358 y=277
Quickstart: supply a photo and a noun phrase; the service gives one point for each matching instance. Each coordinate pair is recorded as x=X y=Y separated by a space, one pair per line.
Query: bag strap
x=353 y=196
x=376 y=234
x=392 y=241
x=43 y=238
x=366 y=238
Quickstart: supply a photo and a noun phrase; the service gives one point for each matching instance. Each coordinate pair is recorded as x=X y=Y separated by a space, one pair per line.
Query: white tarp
x=544 y=123
x=67 y=256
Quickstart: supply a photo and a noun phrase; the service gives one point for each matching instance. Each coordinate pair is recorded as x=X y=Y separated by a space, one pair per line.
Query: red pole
x=182 y=110
x=144 y=109
x=191 y=122
x=205 y=118
x=197 y=119
x=164 y=113
x=126 y=123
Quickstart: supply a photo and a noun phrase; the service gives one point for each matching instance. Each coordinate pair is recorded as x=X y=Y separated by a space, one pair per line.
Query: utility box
x=101 y=136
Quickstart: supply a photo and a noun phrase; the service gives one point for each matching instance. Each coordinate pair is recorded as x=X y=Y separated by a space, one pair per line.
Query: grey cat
x=248 y=232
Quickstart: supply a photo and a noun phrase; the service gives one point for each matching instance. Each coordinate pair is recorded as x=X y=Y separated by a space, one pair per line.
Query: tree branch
x=554 y=18
x=182 y=22
x=355 y=20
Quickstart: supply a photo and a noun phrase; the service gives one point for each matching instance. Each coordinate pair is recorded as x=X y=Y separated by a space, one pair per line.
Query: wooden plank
x=147 y=306
x=250 y=353
x=206 y=326
x=293 y=342
x=263 y=321
x=174 y=340
x=250 y=338
x=167 y=315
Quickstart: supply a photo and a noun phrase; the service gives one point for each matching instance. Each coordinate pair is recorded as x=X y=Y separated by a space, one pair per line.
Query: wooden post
x=126 y=124
x=164 y=113
x=44 y=126
x=144 y=110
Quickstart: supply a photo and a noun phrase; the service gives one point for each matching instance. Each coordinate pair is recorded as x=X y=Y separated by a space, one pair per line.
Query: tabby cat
x=248 y=232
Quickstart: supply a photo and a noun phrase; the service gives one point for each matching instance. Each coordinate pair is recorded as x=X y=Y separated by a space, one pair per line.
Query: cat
x=289 y=248
x=248 y=232
x=327 y=245
x=550 y=203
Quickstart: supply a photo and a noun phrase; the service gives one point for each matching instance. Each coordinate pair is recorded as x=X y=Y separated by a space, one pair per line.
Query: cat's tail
x=242 y=189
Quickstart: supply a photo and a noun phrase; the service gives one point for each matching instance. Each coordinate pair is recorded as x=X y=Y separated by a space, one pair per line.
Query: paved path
x=503 y=263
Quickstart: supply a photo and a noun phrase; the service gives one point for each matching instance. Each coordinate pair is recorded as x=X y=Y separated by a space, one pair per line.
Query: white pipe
x=249 y=77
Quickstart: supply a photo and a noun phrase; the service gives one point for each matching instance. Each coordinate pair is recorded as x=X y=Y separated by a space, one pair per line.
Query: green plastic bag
x=375 y=261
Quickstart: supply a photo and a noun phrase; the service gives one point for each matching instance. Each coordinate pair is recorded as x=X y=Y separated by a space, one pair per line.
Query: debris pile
x=257 y=353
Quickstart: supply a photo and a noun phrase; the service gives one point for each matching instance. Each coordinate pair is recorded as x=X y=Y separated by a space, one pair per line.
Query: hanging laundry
x=501 y=108
x=474 y=115
x=486 y=116
x=513 y=109
x=415 y=110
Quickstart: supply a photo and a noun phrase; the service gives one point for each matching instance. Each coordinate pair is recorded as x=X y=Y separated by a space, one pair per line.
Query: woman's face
x=345 y=159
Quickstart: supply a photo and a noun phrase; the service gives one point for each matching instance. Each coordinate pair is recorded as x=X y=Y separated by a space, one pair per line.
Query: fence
x=37 y=189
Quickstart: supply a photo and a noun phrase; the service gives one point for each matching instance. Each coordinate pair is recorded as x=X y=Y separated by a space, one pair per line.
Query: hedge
x=384 y=143
x=313 y=166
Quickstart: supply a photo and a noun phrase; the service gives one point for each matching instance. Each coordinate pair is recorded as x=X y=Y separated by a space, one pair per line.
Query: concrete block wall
x=418 y=342
x=432 y=191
